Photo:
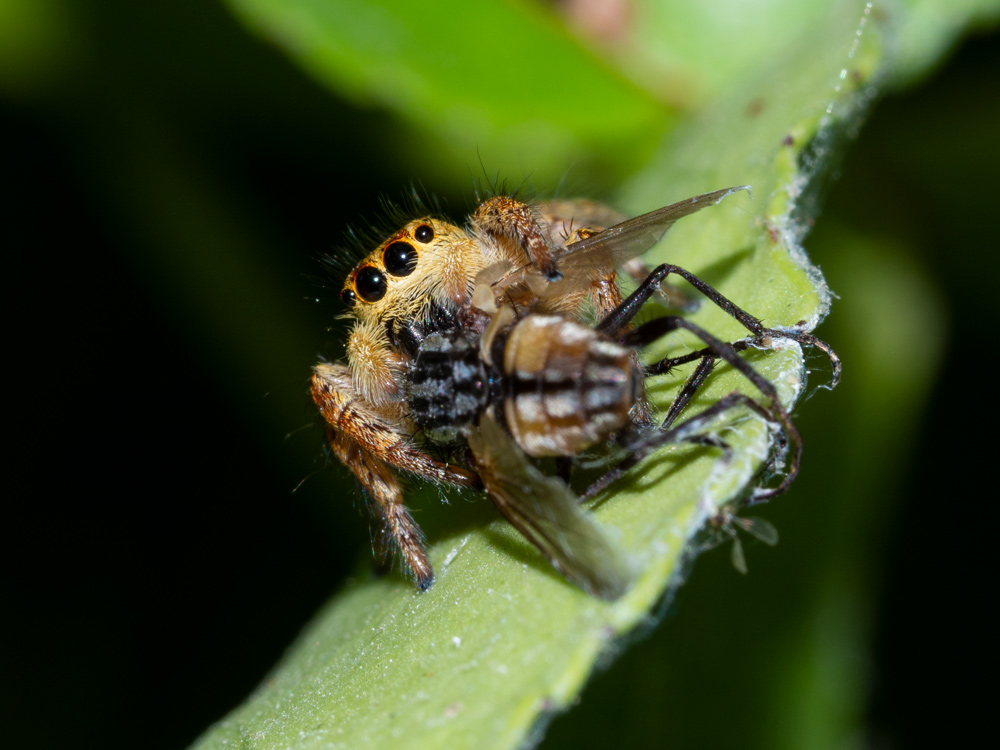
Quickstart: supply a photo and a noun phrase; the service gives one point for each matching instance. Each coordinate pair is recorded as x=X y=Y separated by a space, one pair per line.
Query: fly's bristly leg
x=617 y=320
x=616 y=324
x=672 y=297
x=691 y=386
x=688 y=431
x=775 y=411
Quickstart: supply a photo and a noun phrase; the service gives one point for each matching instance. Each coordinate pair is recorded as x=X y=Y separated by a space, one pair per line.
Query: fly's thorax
x=567 y=386
x=447 y=385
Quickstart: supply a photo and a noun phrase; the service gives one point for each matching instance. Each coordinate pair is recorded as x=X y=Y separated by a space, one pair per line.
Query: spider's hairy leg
x=502 y=218
x=372 y=444
x=394 y=526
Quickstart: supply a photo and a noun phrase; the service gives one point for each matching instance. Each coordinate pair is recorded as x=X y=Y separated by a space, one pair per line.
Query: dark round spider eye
x=371 y=284
x=424 y=234
x=400 y=258
x=348 y=297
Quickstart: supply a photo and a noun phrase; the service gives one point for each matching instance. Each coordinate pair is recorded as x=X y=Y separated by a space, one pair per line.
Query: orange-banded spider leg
x=372 y=444
x=503 y=218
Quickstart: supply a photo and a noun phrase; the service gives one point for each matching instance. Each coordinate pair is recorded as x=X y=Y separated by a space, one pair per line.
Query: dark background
x=162 y=549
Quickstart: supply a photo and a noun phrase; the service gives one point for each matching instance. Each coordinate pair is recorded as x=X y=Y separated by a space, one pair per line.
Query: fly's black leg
x=809 y=340
x=664 y=366
x=715 y=349
x=564 y=468
x=615 y=324
x=691 y=386
x=775 y=412
x=687 y=432
x=616 y=320
x=659 y=327
x=672 y=296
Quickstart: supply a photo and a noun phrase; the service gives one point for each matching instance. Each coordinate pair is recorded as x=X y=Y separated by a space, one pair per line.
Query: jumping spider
x=470 y=343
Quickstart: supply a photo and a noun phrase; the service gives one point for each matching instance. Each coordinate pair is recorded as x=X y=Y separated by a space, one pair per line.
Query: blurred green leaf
x=501 y=640
x=688 y=53
x=504 y=77
x=37 y=38
x=822 y=676
x=928 y=29
x=700 y=49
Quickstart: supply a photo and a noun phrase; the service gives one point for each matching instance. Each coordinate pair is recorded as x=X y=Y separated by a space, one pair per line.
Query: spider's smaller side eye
x=348 y=297
x=424 y=234
x=400 y=258
x=371 y=284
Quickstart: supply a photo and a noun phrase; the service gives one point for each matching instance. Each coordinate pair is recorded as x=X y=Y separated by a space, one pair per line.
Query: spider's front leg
x=372 y=443
x=504 y=220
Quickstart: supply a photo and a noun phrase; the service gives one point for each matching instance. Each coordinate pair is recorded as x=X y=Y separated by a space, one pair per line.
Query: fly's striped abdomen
x=567 y=386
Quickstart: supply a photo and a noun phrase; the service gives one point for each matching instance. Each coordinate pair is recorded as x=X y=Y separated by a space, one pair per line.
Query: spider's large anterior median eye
x=400 y=258
x=424 y=234
x=370 y=283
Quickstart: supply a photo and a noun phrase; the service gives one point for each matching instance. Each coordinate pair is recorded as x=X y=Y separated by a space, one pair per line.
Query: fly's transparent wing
x=596 y=257
x=544 y=510
x=755 y=527
x=738 y=558
x=608 y=250
x=759 y=528
x=633 y=237
x=559 y=218
x=725 y=525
